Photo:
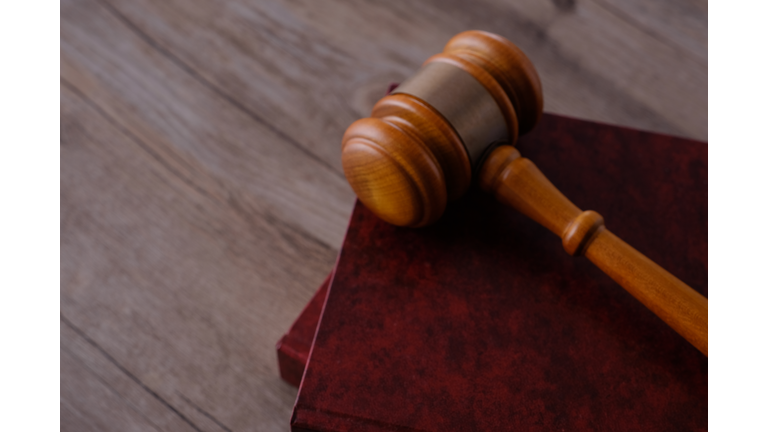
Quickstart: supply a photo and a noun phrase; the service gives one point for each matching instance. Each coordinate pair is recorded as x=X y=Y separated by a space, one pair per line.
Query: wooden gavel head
x=422 y=143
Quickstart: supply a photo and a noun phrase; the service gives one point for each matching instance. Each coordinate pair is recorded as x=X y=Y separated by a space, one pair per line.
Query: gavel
x=458 y=118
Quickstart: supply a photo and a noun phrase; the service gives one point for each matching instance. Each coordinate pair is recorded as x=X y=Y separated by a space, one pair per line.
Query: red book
x=293 y=348
x=483 y=322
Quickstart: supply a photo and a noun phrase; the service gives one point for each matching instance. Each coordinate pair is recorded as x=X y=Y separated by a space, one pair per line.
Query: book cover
x=293 y=348
x=483 y=322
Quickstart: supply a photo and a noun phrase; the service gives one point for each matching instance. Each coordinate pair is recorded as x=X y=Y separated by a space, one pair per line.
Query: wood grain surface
x=518 y=183
x=202 y=195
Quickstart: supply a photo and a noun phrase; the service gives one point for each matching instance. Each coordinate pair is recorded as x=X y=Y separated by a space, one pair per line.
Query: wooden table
x=202 y=197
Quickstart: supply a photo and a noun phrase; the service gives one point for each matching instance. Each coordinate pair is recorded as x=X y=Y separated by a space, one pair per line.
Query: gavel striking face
x=461 y=114
x=421 y=144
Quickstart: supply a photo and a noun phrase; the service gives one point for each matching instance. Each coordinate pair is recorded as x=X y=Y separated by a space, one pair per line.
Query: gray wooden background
x=202 y=197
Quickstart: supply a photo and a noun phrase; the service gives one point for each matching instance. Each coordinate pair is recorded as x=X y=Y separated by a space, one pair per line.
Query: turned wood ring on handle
x=422 y=144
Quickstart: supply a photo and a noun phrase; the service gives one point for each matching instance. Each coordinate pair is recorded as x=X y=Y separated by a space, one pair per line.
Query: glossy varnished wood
x=417 y=118
x=394 y=172
x=202 y=193
x=516 y=181
x=401 y=162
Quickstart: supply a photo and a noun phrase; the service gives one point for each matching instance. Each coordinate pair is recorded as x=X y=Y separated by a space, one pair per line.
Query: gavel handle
x=517 y=182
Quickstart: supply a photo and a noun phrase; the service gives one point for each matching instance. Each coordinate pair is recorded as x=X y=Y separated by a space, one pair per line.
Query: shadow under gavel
x=460 y=114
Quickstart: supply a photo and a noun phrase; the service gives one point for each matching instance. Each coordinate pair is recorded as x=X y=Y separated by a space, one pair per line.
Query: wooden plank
x=93 y=382
x=662 y=86
x=194 y=129
x=187 y=291
x=593 y=63
x=679 y=24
